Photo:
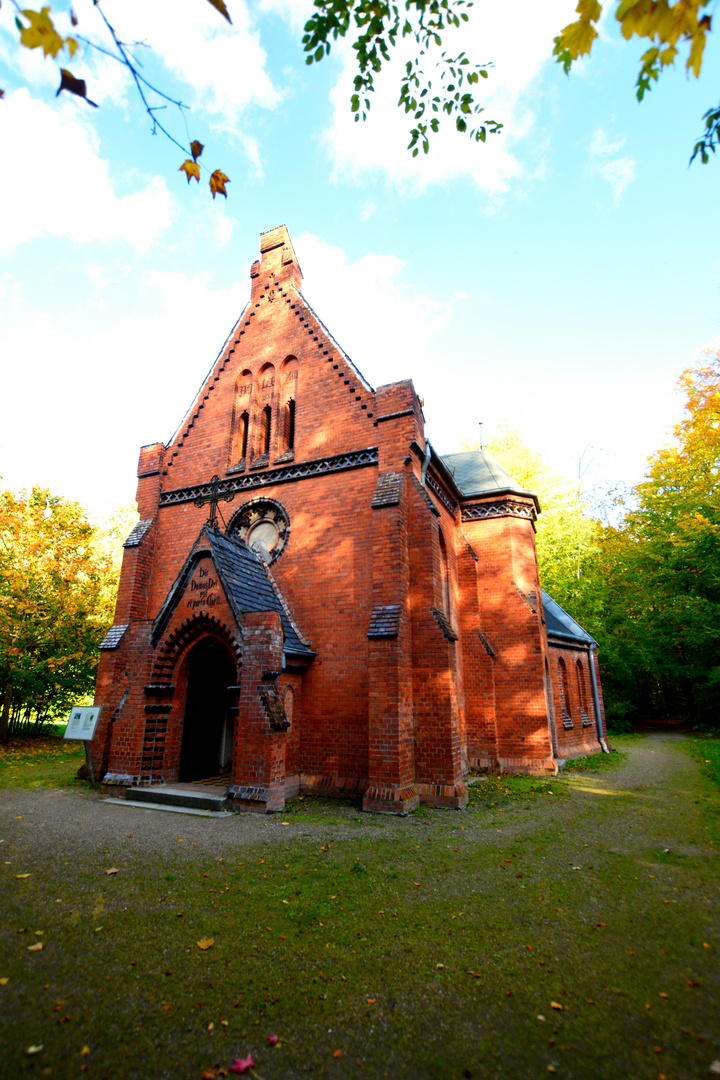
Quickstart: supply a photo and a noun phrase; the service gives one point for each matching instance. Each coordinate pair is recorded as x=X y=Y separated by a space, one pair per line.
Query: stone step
x=167 y=808
x=166 y=795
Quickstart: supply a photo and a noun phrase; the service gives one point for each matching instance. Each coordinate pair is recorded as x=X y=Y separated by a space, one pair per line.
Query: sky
x=558 y=278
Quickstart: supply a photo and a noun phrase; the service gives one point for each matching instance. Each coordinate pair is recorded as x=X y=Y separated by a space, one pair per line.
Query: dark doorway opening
x=207 y=730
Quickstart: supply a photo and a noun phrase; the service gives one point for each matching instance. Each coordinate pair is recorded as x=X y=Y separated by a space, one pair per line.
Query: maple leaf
x=196 y=149
x=240 y=1066
x=219 y=5
x=205 y=943
x=190 y=168
x=74 y=86
x=41 y=34
x=218 y=180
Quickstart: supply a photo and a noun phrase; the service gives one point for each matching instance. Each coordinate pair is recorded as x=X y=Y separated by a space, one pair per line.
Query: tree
x=436 y=86
x=58 y=578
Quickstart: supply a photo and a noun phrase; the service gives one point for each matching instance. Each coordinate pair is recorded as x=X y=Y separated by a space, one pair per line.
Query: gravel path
x=56 y=821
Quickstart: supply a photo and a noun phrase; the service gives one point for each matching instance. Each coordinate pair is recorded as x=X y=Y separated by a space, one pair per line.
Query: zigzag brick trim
x=301 y=470
x=499 y=508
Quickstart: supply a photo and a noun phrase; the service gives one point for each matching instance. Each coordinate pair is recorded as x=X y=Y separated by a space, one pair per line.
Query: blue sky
x=559 y=278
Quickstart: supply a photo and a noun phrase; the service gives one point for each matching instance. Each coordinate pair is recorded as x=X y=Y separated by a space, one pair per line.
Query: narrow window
x=290 y=425
x=265 y=429
x=564 y=702
x=582 y=696
x=244 y=426
x=444 y=579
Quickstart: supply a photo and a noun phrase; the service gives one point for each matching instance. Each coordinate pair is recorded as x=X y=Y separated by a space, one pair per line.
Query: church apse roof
x=476 y=472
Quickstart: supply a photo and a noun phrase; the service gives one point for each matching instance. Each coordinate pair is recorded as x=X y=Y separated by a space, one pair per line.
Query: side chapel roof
x=561 y=625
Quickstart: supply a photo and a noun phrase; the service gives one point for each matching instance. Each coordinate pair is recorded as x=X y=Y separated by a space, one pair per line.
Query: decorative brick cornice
x=506 y=507
x=301 y=470
x=432 y=483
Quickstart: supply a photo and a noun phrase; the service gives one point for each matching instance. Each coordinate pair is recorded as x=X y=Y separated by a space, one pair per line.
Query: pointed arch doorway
x=207 y=739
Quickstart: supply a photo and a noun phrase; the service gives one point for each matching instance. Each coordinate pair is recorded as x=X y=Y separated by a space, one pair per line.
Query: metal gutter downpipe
x=596 y=701
x=426 y=462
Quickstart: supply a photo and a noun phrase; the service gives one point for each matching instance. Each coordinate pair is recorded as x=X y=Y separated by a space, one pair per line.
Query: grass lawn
x=562 y=927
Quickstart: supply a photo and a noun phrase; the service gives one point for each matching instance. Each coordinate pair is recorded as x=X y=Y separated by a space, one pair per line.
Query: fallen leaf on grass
x=85 y=1050
x=556 y=1005
x=663 y=995
x=691 y=982
x=273 y=1040
x=240 y=1066
x=112 y=870
x=337 y=1053
x=22 y=875
x=205 y=943
x=715 y=1067
x=35 y=948
x=34 y=1049
x=211 y=1026
x=4 y=981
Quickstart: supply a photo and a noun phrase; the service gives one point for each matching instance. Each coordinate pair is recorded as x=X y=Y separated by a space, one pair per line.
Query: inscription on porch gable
x=203 y=591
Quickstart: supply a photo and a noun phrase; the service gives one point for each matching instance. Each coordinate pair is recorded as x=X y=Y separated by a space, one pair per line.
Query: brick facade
x=366 y=619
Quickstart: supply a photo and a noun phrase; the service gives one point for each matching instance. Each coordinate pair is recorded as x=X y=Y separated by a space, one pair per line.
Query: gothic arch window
x=243 y=430
x=266 y=392
x=564 y=699
x=288 y=399
x=582 y=694
x=243 y=401
x=289 y=425
x=265 y=429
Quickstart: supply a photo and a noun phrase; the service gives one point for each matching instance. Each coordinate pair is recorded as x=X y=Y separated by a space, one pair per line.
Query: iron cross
x=213 y=499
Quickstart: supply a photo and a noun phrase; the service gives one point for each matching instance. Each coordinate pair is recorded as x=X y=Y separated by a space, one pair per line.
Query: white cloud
x=61 y=186
x=222 y=65
x=618 y=173
x=109 y=383
x=384 y=325
x=378 y=146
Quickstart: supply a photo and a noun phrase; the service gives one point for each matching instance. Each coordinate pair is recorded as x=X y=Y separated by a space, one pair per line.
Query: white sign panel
x=82 y=722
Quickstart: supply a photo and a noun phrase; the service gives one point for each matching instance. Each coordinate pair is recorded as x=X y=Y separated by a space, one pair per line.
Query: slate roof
x=248 y=587
x=561 y=625
x=476 y=472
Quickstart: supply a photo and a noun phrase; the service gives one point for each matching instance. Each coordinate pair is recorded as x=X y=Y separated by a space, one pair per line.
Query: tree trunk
x=5 y=714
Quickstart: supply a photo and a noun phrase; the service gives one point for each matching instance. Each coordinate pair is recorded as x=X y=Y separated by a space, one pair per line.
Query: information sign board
x=82 y=722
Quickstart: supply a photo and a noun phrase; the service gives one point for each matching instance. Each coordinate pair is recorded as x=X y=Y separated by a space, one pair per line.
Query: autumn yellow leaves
x=38 y=31
x=218 y=179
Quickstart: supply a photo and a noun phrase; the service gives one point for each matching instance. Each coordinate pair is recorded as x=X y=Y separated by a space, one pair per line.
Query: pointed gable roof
x=247 y=583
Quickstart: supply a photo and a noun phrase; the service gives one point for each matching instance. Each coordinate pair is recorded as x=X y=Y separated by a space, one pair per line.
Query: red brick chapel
x=315 y=600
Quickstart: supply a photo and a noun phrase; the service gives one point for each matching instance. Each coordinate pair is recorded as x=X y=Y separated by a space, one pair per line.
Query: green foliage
x=377 y=28
x=58 y=578
x=658 y=575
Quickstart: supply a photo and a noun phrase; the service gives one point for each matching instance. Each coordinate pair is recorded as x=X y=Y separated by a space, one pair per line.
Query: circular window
x=264 y=526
